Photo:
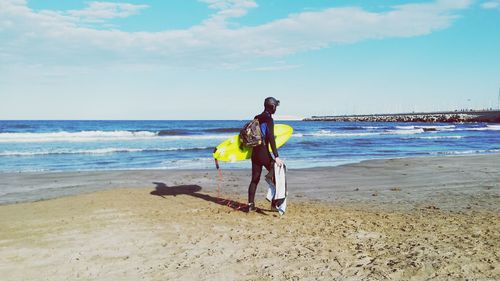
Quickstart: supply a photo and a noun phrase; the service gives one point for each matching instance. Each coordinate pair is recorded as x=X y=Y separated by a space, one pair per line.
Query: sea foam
x=89 y=136
x=99 y=151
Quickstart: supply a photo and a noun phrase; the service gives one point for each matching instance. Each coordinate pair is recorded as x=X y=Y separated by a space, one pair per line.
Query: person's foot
x=250 y=208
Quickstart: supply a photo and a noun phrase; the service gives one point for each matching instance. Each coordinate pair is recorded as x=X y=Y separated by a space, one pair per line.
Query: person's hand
x=279 y=161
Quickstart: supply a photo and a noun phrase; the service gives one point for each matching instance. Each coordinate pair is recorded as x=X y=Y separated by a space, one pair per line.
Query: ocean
x=27 y=146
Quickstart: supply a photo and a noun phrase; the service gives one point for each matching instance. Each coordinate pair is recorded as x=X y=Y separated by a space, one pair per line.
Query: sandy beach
x=433 y=218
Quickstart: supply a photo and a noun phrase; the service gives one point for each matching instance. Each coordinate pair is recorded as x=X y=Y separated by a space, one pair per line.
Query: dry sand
x=404 y=219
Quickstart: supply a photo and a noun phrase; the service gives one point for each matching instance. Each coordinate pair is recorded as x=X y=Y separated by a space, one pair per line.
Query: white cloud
x=491 y=5
x=227 y=9
x=107 y=10
x=275 y=67
x=55 y=36
x=230 y=4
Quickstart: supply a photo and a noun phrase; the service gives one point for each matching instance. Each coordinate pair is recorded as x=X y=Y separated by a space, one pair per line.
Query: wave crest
x=88 y=136
x=100 y=151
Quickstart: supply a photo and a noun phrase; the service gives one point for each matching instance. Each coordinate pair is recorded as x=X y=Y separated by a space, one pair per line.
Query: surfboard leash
x=220 y=179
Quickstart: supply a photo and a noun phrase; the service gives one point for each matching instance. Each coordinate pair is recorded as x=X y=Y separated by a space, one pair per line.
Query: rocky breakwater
x=445 y=117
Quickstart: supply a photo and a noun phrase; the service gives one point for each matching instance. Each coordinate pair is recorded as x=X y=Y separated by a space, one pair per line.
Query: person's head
x=270 y=104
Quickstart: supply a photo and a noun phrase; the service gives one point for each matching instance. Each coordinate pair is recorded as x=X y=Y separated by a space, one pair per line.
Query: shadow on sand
x=163 y=190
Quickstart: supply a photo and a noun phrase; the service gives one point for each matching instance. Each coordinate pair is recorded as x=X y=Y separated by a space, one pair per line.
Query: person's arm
x=272 y=138
x=272 y=142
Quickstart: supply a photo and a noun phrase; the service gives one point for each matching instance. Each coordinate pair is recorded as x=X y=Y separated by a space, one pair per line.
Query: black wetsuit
x=260 y=154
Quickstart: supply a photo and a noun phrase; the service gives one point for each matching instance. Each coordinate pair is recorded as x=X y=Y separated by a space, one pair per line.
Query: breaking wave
x=223 y=130
x=329 y=133
x=88 y=136
x=100 y=151
x=467 y=152
x=441 y=137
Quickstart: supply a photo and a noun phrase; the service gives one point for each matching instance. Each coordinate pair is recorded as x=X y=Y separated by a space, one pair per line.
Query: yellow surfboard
x=230 y=151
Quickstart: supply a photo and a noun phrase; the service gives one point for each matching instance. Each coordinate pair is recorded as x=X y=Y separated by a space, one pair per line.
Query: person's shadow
x=163 y=190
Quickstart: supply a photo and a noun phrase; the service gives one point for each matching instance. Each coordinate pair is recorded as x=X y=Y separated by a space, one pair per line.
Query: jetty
x=489 y=116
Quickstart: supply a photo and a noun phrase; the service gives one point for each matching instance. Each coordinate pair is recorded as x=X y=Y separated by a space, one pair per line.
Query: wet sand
x=401 y=219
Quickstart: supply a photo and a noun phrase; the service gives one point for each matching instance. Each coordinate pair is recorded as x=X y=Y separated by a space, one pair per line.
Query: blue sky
x=218 y=59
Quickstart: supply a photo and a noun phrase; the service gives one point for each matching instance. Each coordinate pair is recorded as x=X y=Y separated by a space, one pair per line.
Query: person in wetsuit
x=260 y=154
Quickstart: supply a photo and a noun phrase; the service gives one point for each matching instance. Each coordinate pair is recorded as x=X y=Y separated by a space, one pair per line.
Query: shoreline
x=397 y=180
